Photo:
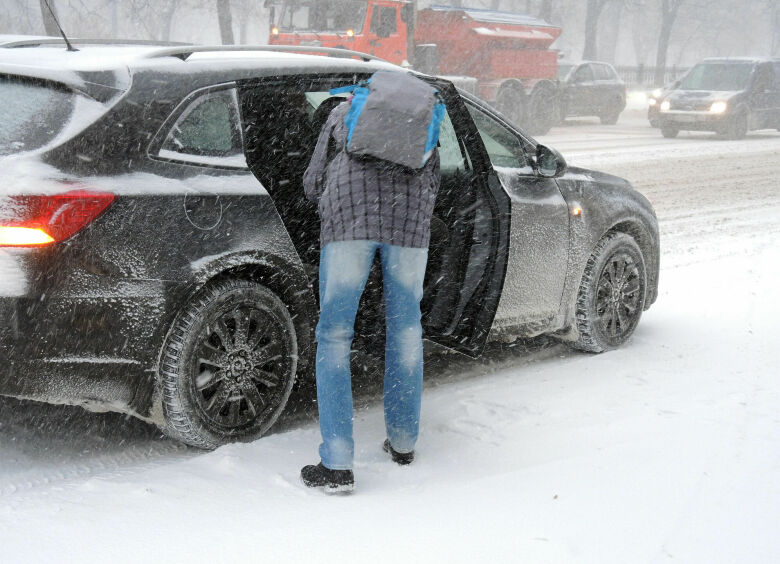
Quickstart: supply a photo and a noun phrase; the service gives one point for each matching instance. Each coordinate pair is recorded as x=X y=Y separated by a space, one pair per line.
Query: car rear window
x=32 y=113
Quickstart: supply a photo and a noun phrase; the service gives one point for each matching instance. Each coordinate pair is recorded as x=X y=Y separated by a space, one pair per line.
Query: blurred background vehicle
x=507 y=53
x=591 y=88
x=729 y=96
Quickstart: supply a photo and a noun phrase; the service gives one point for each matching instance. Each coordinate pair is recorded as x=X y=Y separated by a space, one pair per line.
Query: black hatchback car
x=728 y=96
x=591 y=88
x=158 y=256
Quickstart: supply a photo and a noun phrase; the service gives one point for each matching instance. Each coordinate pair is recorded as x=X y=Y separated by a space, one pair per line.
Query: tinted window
x=777 y=76
x=450 y=150
x=603 y=72
x=383 y=21
x=717 y=76
x=502 y=145
x=32 y=114
x=207 y=132
x=764 y=78
x=583 y=74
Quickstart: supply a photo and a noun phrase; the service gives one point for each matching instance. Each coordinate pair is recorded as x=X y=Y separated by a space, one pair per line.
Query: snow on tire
x=228 y=365
x=611 y=295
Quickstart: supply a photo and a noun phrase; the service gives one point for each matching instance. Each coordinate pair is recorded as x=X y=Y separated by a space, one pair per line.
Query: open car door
x=467 y=259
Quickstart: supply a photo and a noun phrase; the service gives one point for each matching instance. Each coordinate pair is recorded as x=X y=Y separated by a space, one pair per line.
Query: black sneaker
x=333 y=481
x=402 y=458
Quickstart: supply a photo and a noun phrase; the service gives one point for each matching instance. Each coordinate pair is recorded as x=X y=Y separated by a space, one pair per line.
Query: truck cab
x=376 y=27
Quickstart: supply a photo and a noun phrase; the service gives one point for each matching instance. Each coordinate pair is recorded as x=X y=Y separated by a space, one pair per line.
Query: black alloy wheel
x=612 y=294
x=229 y=365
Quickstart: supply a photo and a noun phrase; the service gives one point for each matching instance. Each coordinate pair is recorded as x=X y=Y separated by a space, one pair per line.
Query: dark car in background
x=158 y=256
x=654 y=101
x=591 y=88
x=729 y=96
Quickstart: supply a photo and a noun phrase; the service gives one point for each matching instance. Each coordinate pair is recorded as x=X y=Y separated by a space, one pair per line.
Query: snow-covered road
x=667 y=449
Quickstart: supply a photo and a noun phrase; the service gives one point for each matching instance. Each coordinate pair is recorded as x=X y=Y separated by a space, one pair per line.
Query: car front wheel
x=228 y=365
x=611 y=295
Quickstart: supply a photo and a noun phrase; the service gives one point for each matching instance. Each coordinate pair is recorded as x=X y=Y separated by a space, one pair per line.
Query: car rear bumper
x=98 y=350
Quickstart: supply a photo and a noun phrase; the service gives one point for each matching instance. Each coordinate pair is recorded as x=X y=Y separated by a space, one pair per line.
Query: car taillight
x=34 y=221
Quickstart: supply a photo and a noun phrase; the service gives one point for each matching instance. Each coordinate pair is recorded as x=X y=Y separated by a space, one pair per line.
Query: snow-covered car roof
x=100 y=70
x=11 y=38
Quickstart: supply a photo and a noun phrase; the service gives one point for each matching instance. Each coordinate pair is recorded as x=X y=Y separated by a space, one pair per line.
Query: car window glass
x=584 y=74
x=383 y=21
x=503 y=146
x=207 y=132
x=764 y=80
x=603 y=72
x=450 y=150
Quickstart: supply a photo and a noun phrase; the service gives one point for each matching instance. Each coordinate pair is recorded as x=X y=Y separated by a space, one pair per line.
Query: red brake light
x=42 y=220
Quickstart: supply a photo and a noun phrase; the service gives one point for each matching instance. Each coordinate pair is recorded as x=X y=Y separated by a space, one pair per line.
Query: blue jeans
x=344 y=270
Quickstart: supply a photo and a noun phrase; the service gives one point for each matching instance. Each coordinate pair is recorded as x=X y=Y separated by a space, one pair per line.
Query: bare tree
x=49 y=24
x=545 y=10
x=669 y=10
x=592 y=28
x=225 y=22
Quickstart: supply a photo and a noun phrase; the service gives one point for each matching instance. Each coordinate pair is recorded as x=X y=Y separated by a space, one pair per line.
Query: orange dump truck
x=507 y=54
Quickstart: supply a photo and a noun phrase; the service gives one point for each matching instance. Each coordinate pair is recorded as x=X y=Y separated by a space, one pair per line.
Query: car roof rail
x=183 y=53
x=117 y=42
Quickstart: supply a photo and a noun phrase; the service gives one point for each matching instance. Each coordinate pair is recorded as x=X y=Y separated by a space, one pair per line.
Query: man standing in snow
x=367 y=205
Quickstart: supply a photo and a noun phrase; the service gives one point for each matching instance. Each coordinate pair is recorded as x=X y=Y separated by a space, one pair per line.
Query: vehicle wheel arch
x=282 y=277
x=634 y=227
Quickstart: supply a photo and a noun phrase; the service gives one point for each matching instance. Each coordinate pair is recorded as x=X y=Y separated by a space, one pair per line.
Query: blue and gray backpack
x=394 y=117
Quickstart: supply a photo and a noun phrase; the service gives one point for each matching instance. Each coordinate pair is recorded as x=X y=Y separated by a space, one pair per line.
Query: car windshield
x=563 y=71
x=324 y=15
x=717 y=76
x=31 y=114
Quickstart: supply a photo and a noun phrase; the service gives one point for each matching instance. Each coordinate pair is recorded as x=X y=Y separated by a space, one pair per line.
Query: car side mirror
x=549 y=162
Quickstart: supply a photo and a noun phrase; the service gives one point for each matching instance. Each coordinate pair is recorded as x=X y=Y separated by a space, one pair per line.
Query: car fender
x=601 y=203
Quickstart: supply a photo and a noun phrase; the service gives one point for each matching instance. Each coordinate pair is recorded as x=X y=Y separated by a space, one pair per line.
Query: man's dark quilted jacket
x=365 y=198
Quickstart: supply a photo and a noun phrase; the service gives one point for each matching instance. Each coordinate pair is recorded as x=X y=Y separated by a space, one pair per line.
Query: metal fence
x=643 y=76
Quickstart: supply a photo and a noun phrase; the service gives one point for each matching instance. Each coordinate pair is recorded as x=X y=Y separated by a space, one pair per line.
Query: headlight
x=718 y=107
x=657 y=93
x=665 y=106
x=652 y=101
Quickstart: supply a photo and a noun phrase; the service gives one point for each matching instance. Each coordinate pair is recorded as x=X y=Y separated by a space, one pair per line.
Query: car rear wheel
x=669 y=131
x=611 y=295
x=610 y=117
x=228 y=365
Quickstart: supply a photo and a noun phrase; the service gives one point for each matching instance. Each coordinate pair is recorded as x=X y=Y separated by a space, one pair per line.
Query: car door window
x=207 y=132
x=503 y=146
x=584 y=74
x=603 y=72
